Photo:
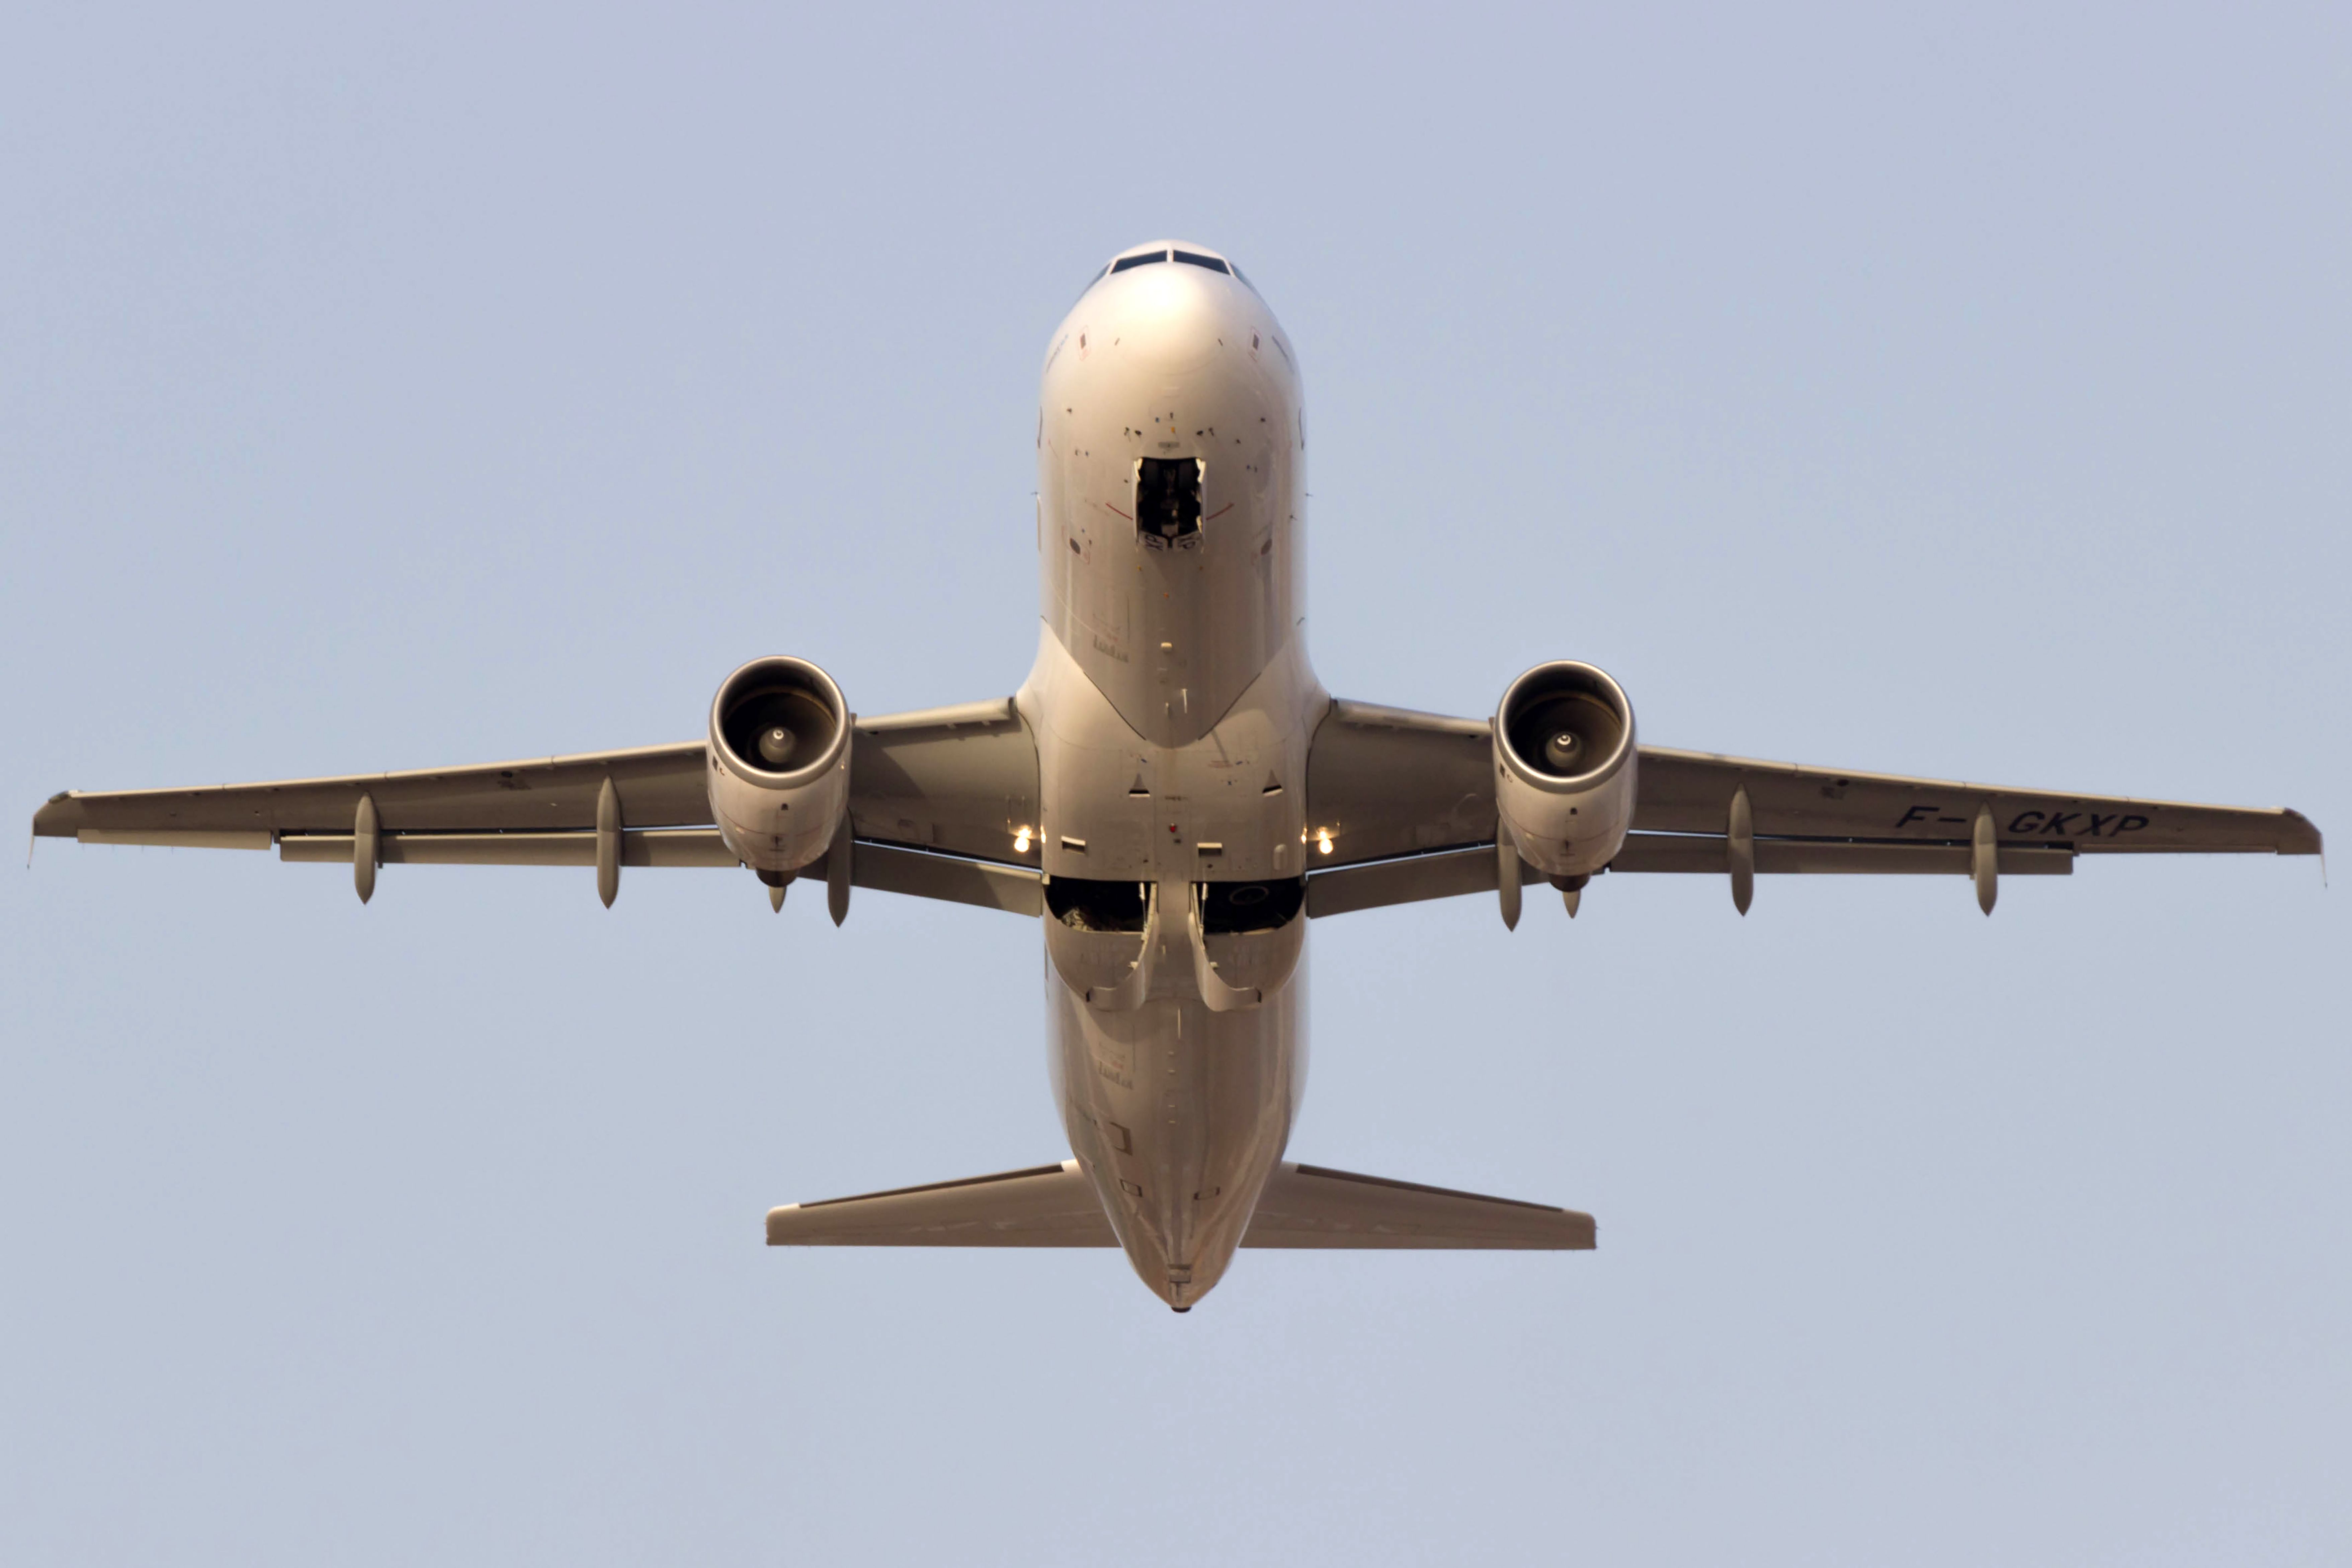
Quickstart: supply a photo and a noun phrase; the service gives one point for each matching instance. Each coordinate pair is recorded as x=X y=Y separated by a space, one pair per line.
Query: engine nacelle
x=1564 y=763
x=778 y=763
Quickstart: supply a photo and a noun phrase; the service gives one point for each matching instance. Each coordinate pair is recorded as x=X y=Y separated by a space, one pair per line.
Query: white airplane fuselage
x=1172 y=705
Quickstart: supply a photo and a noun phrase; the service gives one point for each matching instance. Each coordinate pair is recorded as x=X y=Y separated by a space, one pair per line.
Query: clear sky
x=1963 y=394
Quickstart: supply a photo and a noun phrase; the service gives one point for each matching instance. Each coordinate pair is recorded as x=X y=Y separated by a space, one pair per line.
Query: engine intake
x=778 y=763
x=1564 y=766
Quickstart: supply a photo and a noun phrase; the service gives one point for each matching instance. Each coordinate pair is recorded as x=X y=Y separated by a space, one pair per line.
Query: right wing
x=935 y=799
x=659 y=787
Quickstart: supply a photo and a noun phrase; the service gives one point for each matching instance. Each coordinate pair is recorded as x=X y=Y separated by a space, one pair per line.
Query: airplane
x=1175 y=798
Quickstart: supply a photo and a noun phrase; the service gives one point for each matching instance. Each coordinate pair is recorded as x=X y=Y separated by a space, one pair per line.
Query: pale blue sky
x=1963 y=395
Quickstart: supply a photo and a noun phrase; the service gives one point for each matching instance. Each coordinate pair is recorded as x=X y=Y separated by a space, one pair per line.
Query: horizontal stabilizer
x=1302 y=1206
x=1044 y=1205
x=1308 y=1205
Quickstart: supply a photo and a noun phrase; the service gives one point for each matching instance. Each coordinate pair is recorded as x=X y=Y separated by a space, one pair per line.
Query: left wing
x=1690 y=793
x=1409 y=801
x=935 y=797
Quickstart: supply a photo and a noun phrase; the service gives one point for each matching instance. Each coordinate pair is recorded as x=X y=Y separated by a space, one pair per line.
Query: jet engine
x=1564 y=762
x=779 y=763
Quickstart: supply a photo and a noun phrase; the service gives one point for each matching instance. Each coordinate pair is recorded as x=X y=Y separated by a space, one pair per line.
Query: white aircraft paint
x=1172 y=705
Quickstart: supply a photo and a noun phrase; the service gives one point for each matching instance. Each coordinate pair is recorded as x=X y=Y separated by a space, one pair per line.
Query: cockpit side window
x=1168 y=502
x=1146 y=260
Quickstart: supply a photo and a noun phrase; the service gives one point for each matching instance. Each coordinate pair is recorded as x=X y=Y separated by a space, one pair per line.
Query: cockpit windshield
x=1172 y=254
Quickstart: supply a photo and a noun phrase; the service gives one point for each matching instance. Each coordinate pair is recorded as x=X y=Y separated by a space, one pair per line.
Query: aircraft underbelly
x=1172 y=708
x=1178 y=1113
x=1178 y=1103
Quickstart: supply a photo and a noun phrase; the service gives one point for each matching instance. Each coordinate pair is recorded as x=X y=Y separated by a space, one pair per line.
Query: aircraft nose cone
x=1174 y=316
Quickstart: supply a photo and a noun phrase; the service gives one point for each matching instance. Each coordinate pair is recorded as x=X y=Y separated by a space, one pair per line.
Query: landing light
x=1021 y=841
x=1323 y=841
